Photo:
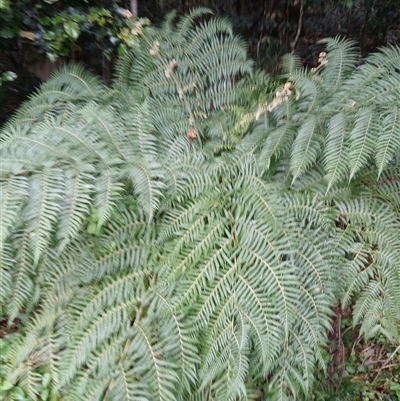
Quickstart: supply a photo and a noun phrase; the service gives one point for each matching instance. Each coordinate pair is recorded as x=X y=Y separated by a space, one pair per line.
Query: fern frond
x=290 y=64
x=107 y=192
x=342 y=57
x=370 y=273
x=388 y=141
x=184 y=27
x=96 y=331
x=22 y=276
x=13 y=193
x=6 y=266
x=69 y=86
x=336 y=151
x=362 y=139
x=306 y=147
x=148 y=185
x=76 y=205
x=278 y=142
x=43 y=208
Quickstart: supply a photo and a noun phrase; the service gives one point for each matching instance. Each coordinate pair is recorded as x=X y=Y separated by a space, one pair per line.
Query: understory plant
x=185 y=233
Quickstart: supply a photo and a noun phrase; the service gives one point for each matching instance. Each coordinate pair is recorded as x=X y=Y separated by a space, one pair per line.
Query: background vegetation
x=92 y=32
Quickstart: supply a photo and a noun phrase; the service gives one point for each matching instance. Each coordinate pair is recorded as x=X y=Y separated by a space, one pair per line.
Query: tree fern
x=154 y=266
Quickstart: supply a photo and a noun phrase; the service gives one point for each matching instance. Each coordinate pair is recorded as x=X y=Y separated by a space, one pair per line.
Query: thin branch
x=299 y=26
x=385 y=365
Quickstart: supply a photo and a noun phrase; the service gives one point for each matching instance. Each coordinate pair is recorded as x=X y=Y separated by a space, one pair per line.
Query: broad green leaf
x=72 y=29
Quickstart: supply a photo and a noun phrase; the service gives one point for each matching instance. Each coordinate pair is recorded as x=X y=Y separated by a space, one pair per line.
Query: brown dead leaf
x=27 y=35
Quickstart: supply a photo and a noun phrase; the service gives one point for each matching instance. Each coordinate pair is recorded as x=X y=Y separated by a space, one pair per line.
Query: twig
x=386 y=367
x=386 y=363
x=300 y=24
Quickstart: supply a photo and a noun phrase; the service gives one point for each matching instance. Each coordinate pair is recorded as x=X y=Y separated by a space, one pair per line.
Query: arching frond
x=342 y=56
x=336 y=149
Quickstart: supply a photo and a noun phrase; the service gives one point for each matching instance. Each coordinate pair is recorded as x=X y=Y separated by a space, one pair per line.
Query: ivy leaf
x=72 y=29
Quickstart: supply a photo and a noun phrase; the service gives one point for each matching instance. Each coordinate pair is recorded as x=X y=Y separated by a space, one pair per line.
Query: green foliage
x=4 y=4
x=155 y=266
x=11 y=392
x=7 y=77
x=359 y=369
x=59 y=28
